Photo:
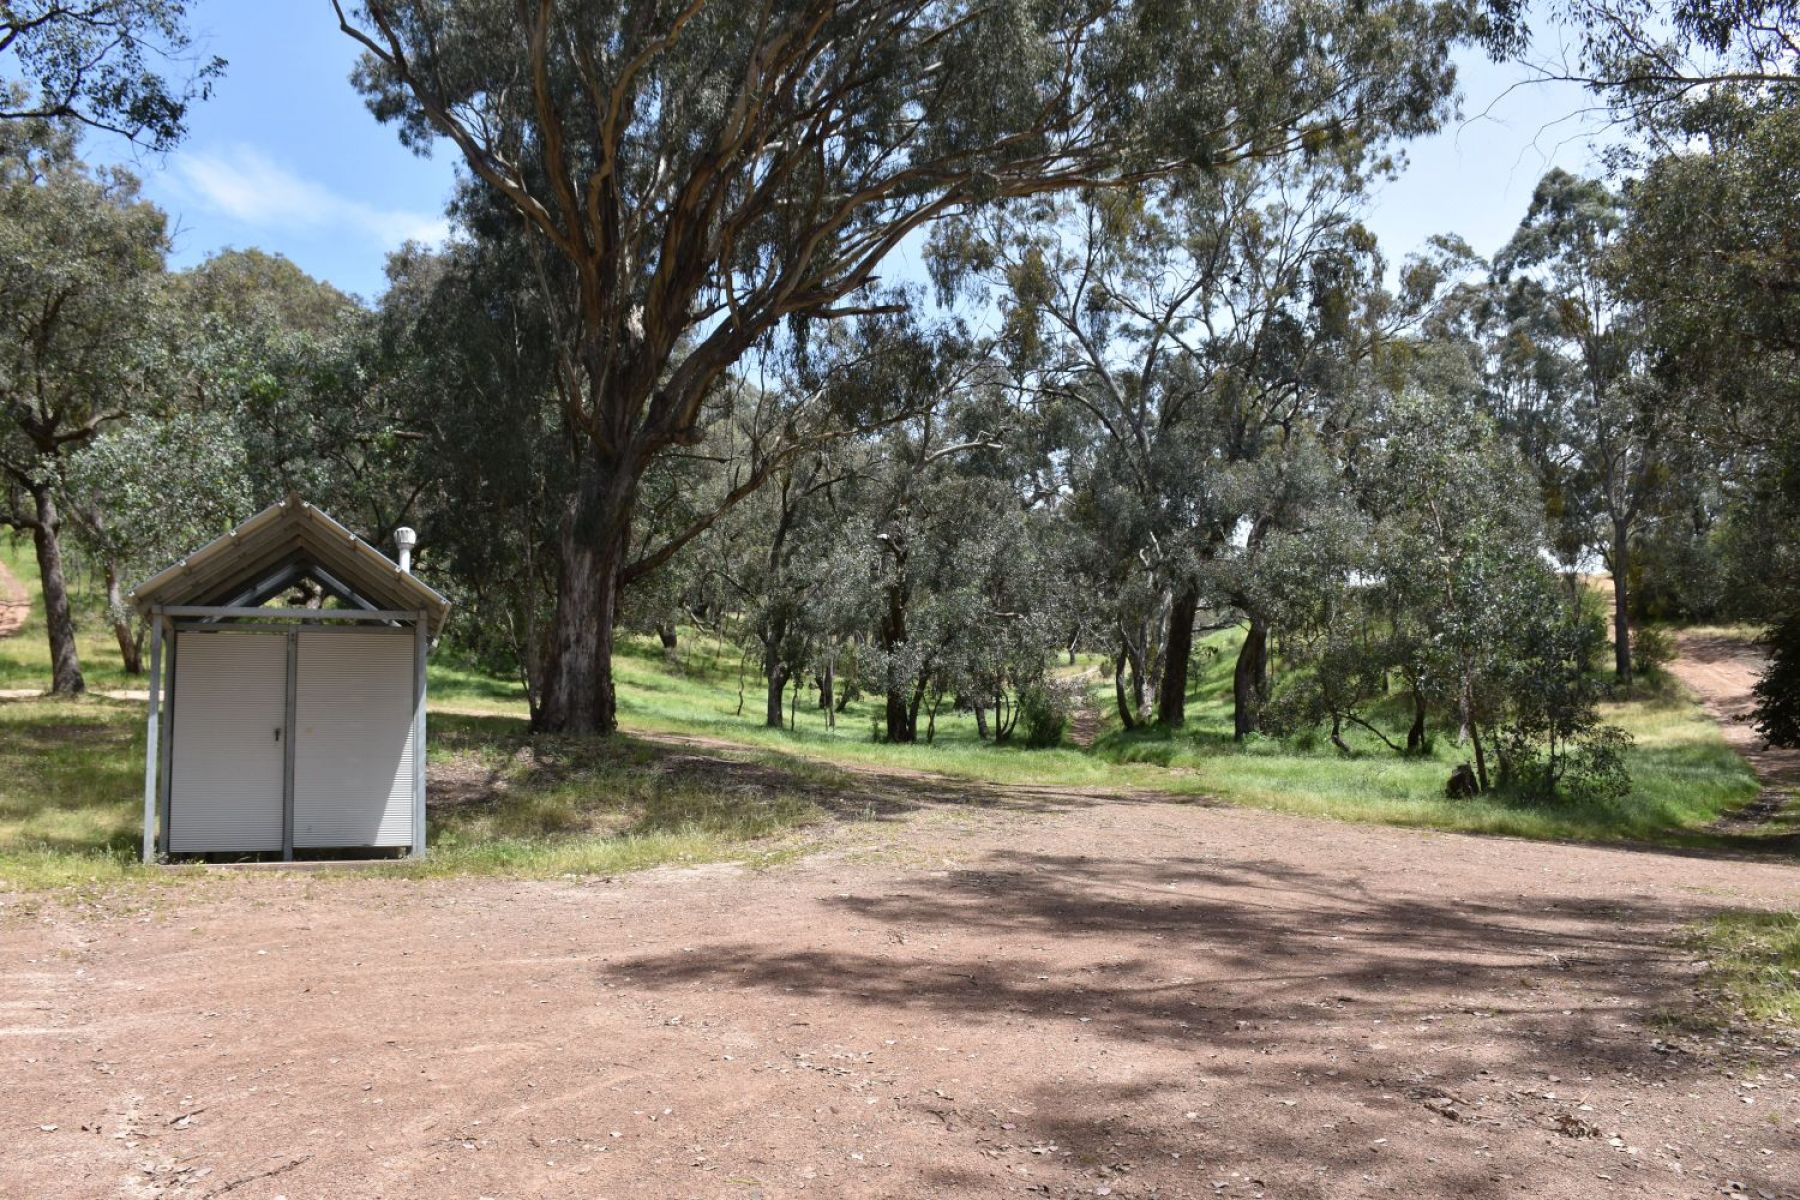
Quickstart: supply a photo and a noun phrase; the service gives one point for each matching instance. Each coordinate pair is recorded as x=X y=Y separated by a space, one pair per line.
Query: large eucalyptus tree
x=1591 y=423
x=698 y=176
x=81 y=269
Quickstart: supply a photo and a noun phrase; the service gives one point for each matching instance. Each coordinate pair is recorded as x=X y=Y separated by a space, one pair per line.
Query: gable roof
x=276 y=547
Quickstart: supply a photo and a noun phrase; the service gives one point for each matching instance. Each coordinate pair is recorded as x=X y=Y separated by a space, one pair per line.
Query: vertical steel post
x=287 y=749
x=165 y=753
x=420 y=648
x=153 y=737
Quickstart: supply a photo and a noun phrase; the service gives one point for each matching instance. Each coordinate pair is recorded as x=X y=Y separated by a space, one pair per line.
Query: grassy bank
x=71 y=789
x=1684 y=775
x=503 y=801
x=509 y=803
x=25 y=657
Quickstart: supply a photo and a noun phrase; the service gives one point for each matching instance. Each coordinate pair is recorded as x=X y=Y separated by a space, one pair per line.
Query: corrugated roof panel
x=288 y=531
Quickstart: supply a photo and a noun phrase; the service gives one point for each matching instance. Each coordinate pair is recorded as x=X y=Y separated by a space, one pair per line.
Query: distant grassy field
x=70 y=772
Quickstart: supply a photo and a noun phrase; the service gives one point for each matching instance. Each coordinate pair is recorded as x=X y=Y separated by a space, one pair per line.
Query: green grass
x=1684 y=775
x=71 y=780
x=70 y=772
x=520 y=804
x=1754 y=965
x=71 y=790
x=25 y=659
x=455 y=686
x=695 y=691
x=1743 y=631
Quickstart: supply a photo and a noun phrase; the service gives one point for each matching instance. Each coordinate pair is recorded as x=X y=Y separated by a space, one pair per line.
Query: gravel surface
x=1065 y=998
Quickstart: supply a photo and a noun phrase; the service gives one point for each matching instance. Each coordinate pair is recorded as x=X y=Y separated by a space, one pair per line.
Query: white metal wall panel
x=353 y=738
x=226 y=770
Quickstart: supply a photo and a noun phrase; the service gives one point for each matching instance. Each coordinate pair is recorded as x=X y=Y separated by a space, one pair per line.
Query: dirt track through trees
x=1722 y=671
x=1126 y=998
x=15 y=606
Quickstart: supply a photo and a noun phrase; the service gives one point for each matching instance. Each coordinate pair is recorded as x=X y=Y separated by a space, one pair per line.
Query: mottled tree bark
x=1171 y=700
x=1621 y=571
x=59 y=618
x=901 y=711
x=125 y=631
x=1250 y=679
x=777 y=674
x=1127 y=717
x=579 y=696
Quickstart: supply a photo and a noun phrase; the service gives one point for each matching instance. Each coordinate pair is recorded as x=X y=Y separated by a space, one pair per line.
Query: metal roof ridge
x=310 y=523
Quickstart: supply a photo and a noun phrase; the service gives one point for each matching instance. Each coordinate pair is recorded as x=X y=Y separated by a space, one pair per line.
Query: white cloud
x=245 y=184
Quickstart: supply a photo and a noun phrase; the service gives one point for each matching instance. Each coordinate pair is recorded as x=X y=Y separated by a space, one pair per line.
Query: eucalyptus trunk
x=777 y=674
x=1621 y=571
x=1250 y=679
x=59 y=617
x=828 y=692
x=902 y=717
x=579 y=697
x=901 y=710
x=125 y=630
x=1127 y=711
x=1171 y=701
x=1415 y=733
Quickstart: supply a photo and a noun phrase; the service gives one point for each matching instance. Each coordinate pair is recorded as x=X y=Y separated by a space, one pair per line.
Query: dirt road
x=1130 y=999
x=1722 y=671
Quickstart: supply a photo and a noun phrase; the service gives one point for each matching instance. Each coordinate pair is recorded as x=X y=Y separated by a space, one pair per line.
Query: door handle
x=278 y=733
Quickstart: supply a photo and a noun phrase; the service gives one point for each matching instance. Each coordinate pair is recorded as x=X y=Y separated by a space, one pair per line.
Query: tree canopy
x=123 y=66
x=692 y=182
x=1164 y=392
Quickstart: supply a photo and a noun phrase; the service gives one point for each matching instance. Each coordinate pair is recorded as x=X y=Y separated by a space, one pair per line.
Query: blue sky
x=286 y=157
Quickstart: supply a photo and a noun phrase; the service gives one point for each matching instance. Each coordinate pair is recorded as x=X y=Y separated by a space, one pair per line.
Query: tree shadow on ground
x=483 y=760
x=1239 y=987
x=486 y=759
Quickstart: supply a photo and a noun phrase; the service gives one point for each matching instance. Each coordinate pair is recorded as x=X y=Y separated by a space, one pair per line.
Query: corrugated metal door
x=227 y=769
x=353 y=738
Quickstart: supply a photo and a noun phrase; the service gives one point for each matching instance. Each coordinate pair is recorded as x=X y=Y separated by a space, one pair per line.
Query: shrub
x=1296 y=708
x=1596 y=770
x=1777 y=713
x=1044 y=713
x=1652 y=648
x=1552 y=741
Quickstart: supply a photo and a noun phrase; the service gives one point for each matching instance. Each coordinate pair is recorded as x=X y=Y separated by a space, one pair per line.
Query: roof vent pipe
x=404 y=541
